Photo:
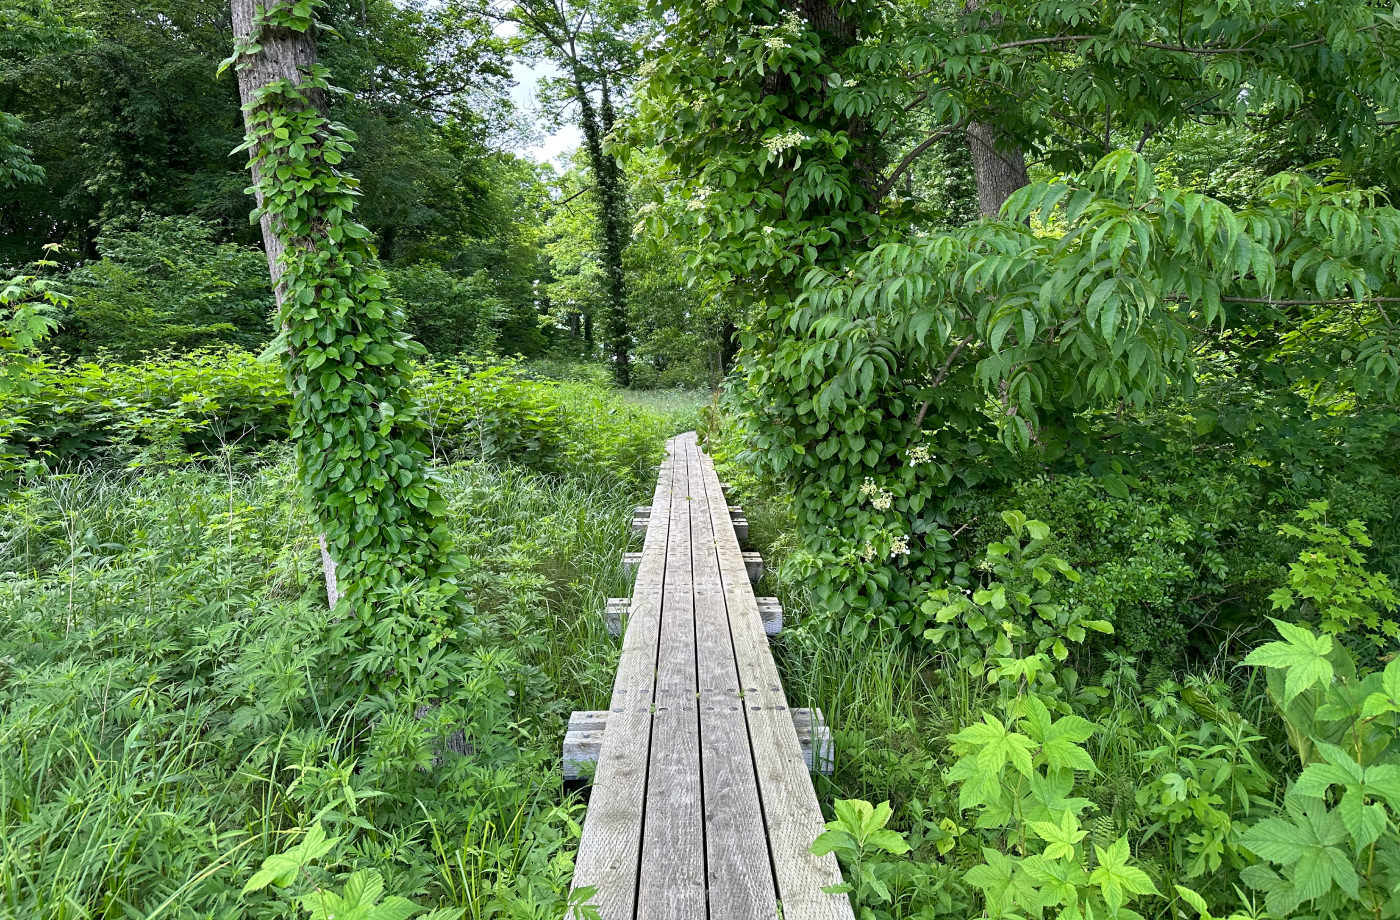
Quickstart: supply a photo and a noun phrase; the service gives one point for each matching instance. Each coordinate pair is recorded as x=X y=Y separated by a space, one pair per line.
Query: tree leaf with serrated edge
x=1302 y=657
x=1118 y=881
x=998 y=745
x=1060 y=838
x=1195 y=900
x=1364 y=823
x=1275 y=839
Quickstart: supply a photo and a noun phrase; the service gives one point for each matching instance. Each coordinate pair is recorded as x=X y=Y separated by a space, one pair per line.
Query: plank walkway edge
x=702 y=805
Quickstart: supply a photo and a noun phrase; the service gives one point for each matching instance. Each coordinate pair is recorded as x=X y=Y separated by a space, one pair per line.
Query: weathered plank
x=738 y=868
x=672 y=885
x=702 y=806
x=791 y=813
x=609 y=854
x=587 y=727
x=616 y=611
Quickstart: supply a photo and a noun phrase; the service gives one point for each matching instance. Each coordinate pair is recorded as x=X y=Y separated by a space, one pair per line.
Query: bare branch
x=943 y=374
x=913 y=155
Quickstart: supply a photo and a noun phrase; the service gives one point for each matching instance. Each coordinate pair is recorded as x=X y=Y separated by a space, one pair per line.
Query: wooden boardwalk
x=701 y=806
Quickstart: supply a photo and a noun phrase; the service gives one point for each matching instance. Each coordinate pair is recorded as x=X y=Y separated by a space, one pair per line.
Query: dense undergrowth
x=1126 y=620
x=170 y=705
x=170 y=408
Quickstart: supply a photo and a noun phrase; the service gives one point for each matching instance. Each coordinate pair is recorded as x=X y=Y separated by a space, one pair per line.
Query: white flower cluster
x=697 y=200
x=868 y=552
x=880 y=498
x=776 y=43
x=920 y=454
x=899 y=546
x=780 y=142
x=648 y=68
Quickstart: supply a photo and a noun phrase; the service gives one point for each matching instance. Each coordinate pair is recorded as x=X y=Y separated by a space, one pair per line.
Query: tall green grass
x=167 y=723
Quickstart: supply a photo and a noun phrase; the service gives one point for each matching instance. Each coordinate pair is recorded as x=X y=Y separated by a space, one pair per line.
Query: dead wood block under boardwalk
x=630 y=562
x=583 y=742
x=771 y=613
x=769 y=610
x=615 y=614
x=753 y=564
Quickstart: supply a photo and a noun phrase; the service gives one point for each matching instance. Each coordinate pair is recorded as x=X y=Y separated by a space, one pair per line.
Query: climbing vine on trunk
x=361 y=460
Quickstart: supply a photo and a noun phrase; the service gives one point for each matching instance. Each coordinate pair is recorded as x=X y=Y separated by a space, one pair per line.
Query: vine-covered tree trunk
x=285 y=55
x=362 y=463
x=999 y=170
x=612 y=219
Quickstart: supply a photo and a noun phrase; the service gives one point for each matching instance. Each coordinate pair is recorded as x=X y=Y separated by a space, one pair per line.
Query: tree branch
x=913 y=155
x=942 y=375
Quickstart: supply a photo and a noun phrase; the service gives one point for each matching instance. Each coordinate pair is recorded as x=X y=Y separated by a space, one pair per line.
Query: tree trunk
x=612 y=220
x=728 y=346
x=284 y=55
x=999 y=170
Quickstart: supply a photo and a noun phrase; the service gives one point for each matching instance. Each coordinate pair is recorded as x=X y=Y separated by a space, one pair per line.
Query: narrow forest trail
x=702 y=804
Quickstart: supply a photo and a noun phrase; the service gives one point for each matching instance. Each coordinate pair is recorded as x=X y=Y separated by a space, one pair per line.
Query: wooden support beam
x=641 y=519
x=584 y=740
x=630 y=561
x=753 y=565
x=769 y=609
x=740 y=522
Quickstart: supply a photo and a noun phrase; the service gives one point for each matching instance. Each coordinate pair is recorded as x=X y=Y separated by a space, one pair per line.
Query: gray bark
x=285 y=55
x=1000 y=169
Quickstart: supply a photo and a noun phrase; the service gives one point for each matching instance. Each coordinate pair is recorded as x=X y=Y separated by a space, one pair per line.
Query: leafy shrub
x=1008 y=628
x=1027 y=785
x=27 y=307
x=1333 y=845
x=1330 y=587
x=448 y=314
x=198 y=404
x=167 y=283
x=882 y=886
x=170 y=405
